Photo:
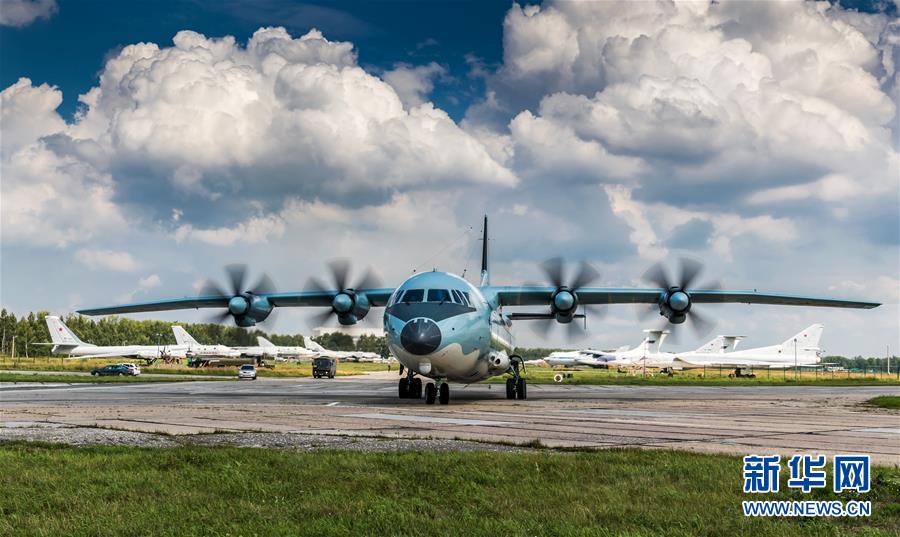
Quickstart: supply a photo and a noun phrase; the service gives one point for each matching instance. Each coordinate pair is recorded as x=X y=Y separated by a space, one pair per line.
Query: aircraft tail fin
x=312 y=345
x=182 y=337
x=654 y=337
x=60 y=334
x=263 y=342
x=719 y=345
x=807 y=339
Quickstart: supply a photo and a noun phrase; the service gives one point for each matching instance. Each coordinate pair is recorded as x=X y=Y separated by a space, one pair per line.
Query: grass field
x=710 y=377
x=70 y=378
x=886 y=401
x=50 y=490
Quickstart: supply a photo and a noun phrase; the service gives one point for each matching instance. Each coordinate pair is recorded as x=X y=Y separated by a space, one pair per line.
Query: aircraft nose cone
x=420 y=336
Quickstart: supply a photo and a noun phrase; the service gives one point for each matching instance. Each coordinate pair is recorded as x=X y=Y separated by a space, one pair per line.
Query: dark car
x=115 y=370
x=324 y=367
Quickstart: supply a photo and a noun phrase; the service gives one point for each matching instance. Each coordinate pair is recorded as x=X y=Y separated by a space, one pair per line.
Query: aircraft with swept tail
x=442 y=327
x=64 y=341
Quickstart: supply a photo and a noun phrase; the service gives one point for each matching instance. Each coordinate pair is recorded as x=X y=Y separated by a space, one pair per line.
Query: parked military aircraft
x=442 y=327
x=196 y=349
x=581 y=358
x=350 y=356
x=649 y=354
x=799 y=350
x=66 y=342
x=281 y=351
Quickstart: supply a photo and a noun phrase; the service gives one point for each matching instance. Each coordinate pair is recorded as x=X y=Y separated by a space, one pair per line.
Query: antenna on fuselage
x=485 y=275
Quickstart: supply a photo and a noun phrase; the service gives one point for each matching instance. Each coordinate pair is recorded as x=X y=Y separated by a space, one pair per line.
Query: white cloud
x=414 y=84
x=254 y=230
x=278 y=115
x=149 y=282
x=24 y=12
x=106 y=260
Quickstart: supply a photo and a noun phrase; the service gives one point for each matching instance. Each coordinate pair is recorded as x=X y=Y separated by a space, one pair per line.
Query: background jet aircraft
x=649 y=353
x=352 y=356
x=443 y=327
x=281 y=351
x=581 y=358
x=801 y=349
x=66 y=342
x=194 y=348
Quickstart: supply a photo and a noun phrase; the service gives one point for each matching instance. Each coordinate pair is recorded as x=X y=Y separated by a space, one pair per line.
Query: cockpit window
x=413 y=295
x=458 y=297
x=465 y=295
x=439 y=295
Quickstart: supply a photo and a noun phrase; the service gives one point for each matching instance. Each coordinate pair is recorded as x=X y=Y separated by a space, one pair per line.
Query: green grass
x=697 y=377
x=52 y=490
x=886 y=401
x=69 y=378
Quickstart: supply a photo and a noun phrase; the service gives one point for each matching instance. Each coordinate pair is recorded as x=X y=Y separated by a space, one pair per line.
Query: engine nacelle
x=674 y=305
x=563 y=305
x=350 y=307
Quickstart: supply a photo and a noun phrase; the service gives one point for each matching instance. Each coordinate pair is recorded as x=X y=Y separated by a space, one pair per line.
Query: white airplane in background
x=353 y=356
x=581 y=358
x=66 y=342
x=194 y=348
x=282 y=351
x=799 y=350
x=646 y=356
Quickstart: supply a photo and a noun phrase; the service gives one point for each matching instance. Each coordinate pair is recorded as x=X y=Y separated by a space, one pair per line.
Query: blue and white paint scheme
x=442 y=327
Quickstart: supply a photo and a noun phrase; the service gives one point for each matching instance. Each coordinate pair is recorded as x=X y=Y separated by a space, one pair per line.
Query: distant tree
x=376 y=344
x=336 y=341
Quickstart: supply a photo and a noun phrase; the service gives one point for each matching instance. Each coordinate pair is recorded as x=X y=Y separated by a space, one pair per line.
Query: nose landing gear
x=441 y=392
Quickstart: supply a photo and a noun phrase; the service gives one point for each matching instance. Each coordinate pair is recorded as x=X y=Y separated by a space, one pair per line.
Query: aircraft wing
x=540 y=296
x=377 y=297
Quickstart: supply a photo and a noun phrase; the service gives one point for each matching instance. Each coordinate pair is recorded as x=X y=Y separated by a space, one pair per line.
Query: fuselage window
x=438 y=295
x=413 y=295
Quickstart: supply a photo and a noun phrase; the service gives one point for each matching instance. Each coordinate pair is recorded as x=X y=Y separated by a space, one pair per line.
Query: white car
x=133 y=369
x=247 y=371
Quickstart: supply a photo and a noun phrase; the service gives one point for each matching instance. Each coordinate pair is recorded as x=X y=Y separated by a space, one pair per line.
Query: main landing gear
x=516 y=387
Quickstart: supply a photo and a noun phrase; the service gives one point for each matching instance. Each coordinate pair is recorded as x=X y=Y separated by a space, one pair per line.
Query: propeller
x=675 y=302
x=246 y=306
x=348 y=305
x=564 y=301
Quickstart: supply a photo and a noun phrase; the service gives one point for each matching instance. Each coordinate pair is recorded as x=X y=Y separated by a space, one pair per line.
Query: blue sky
x=759 y=137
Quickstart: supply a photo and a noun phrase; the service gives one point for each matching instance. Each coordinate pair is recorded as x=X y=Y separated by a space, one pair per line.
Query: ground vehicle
x=324 y=367
x=133 y=369
x=247 y=371
x=111 y=370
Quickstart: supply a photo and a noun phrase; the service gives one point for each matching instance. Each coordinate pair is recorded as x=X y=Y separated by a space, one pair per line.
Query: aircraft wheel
x=404 y=389
x=444 y=395
x=416 y=392
x=521 y=393
x=430 y=393
x=510 y=388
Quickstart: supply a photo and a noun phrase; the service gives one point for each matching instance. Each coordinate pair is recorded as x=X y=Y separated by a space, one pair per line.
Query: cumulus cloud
x=413 y=84
x=278 y=115
x=255 y=229
x=52 y=194
x=106 y=260
x=24 y=12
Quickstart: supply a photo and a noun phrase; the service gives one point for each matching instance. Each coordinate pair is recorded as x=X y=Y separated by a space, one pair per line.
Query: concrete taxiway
x=736 y=420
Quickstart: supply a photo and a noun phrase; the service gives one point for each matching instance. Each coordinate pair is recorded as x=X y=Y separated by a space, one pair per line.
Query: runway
x=737 y=420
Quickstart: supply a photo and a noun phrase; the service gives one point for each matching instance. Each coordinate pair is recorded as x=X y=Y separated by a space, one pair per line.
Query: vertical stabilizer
x=654 y=337
x=60 y=333
x=719 y=345
x=807 y=339
x=312 y=345
x=485 y=273
x=263 y=342
x=183 y=338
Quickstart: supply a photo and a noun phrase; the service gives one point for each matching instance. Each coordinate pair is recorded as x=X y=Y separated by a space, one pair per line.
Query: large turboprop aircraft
x=442 y=327
x=66 y=342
